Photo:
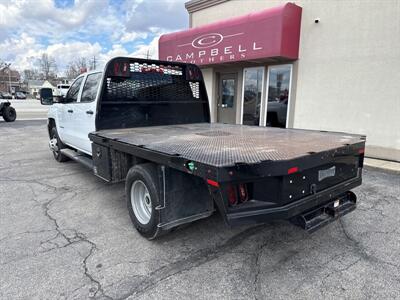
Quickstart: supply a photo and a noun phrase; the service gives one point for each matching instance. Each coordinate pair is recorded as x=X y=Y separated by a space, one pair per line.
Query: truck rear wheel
x=56 y=145
x=142 y=199
x=9 y=114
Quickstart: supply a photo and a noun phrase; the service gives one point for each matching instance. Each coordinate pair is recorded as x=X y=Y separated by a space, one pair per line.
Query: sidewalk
x=390 y=166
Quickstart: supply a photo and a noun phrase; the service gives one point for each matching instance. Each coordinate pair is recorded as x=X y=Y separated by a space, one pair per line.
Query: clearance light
x=361 y=151
x=292 y=170
x=212 y=183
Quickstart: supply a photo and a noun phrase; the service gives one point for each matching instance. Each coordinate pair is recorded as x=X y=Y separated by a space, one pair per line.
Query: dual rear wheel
x=142 y=199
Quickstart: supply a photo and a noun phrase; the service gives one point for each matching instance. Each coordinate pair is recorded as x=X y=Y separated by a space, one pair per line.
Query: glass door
x=253 y=79
x=278 y=95
x=227 y=99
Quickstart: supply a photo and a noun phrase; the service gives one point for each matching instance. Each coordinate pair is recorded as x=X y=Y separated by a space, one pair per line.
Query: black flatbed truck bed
x=221 y=147
x=153 y=131
x=285 y=162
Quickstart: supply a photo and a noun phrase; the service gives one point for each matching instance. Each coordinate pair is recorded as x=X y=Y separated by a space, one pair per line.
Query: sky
x=69 y=29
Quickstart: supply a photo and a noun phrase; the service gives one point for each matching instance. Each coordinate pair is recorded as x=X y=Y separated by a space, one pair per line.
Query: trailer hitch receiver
x=322 y=215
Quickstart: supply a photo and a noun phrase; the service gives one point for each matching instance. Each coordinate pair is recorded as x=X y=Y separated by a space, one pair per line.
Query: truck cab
x=74 y=116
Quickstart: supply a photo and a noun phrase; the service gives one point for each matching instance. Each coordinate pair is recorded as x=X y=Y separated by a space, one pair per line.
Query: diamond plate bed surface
x=224 y=145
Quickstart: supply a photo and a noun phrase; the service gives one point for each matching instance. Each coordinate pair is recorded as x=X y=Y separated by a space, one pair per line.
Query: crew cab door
x=85 y=112
x=66 y=113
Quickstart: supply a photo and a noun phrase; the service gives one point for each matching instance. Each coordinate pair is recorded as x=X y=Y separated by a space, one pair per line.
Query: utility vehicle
x=7 y=111
x=147 y=123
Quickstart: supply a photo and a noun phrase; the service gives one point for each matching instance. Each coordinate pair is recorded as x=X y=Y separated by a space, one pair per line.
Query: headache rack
x=139 y=93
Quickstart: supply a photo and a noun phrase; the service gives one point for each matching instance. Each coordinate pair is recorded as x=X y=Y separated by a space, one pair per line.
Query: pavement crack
x=99 y=288
x=195 y=260
x=360 y=250
x=257 y=270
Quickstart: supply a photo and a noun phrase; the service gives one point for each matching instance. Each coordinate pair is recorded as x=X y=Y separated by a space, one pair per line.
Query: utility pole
x=94 y=62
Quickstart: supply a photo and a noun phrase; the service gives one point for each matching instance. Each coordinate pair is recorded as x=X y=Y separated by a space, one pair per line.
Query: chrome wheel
x=141 y=202
x=53 y=144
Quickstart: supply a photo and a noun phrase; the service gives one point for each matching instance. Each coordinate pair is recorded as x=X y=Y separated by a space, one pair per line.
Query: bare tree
x=71 y=71
x=2 y=64
x=48 y=66
x=31 y=74
x=76 y=67
x=81 y=64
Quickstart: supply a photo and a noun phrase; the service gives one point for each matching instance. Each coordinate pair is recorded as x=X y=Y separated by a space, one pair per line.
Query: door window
x=279 y=78
x=89 y=91
x=252 y=90
x=228 y=93
x=72 y=95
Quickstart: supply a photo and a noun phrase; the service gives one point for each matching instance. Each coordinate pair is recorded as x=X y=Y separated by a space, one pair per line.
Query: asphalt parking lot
x=65 y=234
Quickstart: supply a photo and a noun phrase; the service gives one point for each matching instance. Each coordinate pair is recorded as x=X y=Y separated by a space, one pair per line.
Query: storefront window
x=252 y=89
x=278 y=95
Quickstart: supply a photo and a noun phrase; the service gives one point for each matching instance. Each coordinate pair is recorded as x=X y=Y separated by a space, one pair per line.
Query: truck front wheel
x=142 y=199
x=56 y=145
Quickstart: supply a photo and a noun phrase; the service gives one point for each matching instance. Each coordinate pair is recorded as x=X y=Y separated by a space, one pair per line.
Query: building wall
x=348 y=73
x=209 y=81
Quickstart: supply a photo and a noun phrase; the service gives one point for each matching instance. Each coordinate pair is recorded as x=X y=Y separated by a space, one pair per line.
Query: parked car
x=5 y=95
x=20 y=95
x=62 y=89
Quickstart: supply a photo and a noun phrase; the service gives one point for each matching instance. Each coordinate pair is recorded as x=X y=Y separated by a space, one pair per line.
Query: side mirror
x=46 y=96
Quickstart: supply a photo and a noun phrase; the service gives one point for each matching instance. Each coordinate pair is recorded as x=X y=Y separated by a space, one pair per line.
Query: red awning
x=270 y=33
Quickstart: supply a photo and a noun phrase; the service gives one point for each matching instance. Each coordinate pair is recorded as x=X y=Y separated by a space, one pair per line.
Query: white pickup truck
x=74 y=117
x=147 y=123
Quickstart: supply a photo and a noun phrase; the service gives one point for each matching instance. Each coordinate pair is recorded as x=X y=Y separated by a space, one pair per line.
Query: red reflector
x=232 y=195
x=212 y=182
x=292 y=170
x=361 y=151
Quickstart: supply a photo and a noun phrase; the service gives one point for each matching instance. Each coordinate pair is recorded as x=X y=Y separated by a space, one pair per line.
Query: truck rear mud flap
x=322 y=215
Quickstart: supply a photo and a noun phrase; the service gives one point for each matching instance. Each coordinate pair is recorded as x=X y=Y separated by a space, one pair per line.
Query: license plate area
x=326 y=173
x=298 y=185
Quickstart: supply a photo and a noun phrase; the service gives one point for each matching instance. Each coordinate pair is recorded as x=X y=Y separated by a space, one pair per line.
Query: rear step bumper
x=318 y=217
x=294 y=209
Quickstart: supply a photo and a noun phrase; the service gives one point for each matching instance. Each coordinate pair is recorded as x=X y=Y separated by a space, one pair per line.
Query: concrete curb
x=382 y=165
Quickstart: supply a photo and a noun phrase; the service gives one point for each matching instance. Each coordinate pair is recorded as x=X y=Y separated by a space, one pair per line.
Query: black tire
x=147 y=174
x=57 y=154
x=9 y=114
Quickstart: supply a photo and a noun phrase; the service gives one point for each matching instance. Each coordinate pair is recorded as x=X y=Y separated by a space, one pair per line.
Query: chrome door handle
x=89 y=112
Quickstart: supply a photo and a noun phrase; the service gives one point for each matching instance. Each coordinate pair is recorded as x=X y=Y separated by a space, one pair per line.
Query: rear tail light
x=243 y=194
x=237 y=194
x=232 y=195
